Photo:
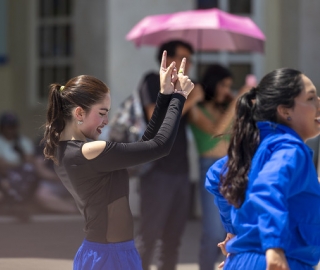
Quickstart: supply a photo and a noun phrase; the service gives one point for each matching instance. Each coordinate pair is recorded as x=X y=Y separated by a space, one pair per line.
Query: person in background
x=51 y=194
x=208 y=119
x=18 y=179
x=22 y=174
x=164 y=188
x=210 y=123
x=267 y=188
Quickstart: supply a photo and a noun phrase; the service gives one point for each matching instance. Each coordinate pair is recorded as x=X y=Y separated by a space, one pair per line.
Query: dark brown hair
x=279 y=87
x=171 y=48
x=83 y=91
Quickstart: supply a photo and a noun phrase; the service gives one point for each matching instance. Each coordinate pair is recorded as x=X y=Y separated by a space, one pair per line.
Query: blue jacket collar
x=267 y=127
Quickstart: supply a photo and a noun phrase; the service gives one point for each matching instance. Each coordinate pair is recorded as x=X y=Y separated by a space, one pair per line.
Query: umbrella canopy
x=205 y=30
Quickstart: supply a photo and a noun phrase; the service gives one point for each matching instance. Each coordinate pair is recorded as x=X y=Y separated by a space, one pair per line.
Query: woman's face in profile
x=305 y=115
x=223 y=91
x=95 y=120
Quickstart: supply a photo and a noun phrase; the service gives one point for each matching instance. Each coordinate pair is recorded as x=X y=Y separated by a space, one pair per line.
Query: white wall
x=90 y=42
x=272 y=20
x=127 y=64
x=309 y=40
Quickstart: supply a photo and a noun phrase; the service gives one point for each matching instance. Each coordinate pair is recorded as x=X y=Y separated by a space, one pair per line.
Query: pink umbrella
x=206 y=30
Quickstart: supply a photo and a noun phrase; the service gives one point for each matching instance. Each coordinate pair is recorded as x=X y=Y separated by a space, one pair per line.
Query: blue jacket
x=282 y=204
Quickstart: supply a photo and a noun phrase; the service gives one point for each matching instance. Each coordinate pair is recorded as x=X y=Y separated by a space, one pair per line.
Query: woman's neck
x=72 y=132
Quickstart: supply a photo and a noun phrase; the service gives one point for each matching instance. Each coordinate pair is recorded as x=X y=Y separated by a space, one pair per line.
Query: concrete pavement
x=49 y=242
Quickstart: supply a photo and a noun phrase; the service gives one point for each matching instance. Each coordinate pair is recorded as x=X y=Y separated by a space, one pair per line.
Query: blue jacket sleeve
x=270 y=191
x=212 y=185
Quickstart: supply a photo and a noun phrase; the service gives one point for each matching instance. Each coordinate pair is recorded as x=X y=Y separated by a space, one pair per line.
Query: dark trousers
x=212 y=229
x=164 y=213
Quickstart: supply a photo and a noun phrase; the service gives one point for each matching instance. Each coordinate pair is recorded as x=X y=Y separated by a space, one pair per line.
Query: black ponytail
x=279 y=87
x=55 y=121
x=243 y=144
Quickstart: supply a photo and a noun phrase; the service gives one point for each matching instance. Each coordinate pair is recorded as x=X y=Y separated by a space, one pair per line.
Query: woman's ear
x=283 y=113
x=79 y=113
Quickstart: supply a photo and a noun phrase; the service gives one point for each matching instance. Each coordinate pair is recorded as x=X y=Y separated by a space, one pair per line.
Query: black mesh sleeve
x=122 y=155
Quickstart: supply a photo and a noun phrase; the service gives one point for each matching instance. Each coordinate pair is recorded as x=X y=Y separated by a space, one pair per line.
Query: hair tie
x=253 y=92
x=61 y=88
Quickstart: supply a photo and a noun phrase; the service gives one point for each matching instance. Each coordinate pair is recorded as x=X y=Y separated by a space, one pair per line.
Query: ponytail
x=243 y=144
x=55 y=122
x=279 y=87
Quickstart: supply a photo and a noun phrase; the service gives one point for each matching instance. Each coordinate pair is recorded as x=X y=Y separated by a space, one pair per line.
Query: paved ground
x=49 y=242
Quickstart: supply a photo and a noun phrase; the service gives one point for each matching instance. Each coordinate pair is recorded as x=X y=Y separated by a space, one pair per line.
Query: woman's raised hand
x=183 y=84
x=173 y=82
x=167 y=75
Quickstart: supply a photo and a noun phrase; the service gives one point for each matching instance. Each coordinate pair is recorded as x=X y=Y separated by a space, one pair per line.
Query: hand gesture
x=276 y=260
x=167 y=75
x=183 y=84
x=222 y=246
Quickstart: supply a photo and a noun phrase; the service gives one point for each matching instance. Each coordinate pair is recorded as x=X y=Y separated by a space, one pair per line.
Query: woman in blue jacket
x=267 y=188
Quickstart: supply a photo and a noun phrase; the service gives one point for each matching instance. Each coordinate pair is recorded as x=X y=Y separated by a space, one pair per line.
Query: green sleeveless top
x=205 y=141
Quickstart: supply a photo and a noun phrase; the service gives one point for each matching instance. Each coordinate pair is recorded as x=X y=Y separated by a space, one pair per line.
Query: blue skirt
x=114 y=256
x=256 y=261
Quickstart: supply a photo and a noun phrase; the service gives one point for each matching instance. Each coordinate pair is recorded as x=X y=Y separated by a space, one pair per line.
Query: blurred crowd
x=28 y=183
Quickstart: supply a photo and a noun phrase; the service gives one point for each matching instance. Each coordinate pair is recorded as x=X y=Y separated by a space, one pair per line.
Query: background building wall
x=90 y=38
x=127 y=64
x=17 y=76
x=291 y=27
x=272 y=20
x=309 y=40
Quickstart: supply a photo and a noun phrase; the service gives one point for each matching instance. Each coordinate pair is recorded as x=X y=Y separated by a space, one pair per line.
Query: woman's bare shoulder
x=91 y=150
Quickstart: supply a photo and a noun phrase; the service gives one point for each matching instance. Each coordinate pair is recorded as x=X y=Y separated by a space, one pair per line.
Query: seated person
x=22 y=174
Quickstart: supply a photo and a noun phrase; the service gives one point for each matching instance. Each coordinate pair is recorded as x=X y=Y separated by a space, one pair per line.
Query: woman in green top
x=209 y=119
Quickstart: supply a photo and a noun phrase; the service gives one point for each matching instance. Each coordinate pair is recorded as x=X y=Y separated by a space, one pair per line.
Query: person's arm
x=197 y=117
x=117 y=156
x=108 y=156
x=212 y=185
x=269 y=194
x=157 y=117
x=195 y=97
x=168 y=84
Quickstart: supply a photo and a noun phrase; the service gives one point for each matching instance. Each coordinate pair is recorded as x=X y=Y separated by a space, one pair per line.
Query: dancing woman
x=95 y=172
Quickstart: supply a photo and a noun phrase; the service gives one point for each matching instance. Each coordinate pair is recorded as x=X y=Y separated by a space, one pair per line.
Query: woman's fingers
x=221 y=265
x=170 y=69
x=166 y=85
x=182 y=66
x=163 y=65
x=174 y=76
x=222 y=246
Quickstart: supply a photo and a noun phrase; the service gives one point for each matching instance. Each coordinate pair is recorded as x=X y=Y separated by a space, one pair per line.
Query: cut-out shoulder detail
x=91 y=150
